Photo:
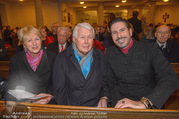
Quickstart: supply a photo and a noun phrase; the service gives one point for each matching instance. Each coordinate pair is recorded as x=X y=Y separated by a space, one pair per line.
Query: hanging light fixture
x=21 y=0
x=116 y=5
x=165 y=0
x=84 y=6
x=124 y=1
x=82 y=3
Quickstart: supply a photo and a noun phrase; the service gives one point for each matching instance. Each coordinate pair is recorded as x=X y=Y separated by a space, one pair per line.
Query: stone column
x=60 y=11
x=100 y=14
x=152 y=11
x=3 y=13
x=38 y=13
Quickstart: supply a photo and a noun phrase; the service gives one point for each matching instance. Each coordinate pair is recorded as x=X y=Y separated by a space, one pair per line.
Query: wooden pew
x=77 y=112
x=10 y=52
x=173 y=100
x=4 y=68
x=176 y=67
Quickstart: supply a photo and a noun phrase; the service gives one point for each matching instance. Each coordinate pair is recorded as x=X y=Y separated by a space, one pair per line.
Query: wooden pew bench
x=79 y=112
x=4 y=68
x=10 y=53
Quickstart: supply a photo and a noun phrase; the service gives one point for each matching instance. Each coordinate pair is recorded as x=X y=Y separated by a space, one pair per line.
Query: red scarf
x=125 y=51
x=34 y=61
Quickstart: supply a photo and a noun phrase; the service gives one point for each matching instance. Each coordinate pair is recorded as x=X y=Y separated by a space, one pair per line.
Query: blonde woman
x=32 y=67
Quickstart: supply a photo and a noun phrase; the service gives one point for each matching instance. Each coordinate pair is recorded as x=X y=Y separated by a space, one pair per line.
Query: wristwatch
x=146 y=101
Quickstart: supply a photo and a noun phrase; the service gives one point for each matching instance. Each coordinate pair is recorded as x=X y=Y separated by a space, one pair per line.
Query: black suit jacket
x=69 y=85
x=21 y=74
x=53 y=47
x=171 y=52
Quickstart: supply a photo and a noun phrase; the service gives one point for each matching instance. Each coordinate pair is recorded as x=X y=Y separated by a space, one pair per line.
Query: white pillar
x=101 y=14
x=152 y=12
x=60 y=11
x=3 y=13
x=38 y=13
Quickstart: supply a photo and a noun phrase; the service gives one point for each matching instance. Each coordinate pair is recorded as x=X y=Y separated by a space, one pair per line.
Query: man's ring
x=123 y=102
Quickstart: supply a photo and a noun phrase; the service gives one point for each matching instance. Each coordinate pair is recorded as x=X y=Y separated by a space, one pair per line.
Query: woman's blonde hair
x=24 y=32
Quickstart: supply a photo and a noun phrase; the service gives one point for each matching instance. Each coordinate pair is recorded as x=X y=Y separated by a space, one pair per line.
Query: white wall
x=172 y=10
x=23 y=15
x=50 y=13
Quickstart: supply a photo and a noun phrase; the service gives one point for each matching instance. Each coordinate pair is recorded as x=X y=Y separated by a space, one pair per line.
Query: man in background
x=136 y=23
x=169 y=48
x=53 y=33
x=62 y=41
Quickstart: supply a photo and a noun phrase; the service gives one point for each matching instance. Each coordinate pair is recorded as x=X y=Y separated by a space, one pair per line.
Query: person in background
x=46 y=29
x=108 y=39
x=176 y=34
x=53 y=33
x=31 y=68
x=3 y=51
x=143 y=25
x=97 y=30
x=98 y=45
x=136 y=23
x=102 y=33
x=96 y=42
x=62 y=41
x=149 y=35
x=169 y=48
x=79 y=72
x=45 y=39
x=8 y=36
x=139 y=76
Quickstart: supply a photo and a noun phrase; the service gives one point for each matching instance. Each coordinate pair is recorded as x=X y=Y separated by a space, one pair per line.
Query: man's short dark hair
x=118 y=19
x=135 y=13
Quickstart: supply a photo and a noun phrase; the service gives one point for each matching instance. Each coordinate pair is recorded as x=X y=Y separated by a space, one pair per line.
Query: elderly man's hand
x=128 y=103
x=102 y=102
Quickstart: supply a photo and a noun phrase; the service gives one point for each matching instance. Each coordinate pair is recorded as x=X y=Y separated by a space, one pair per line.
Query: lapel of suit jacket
x=56 y=46
x=169 y=46
x=43 y=66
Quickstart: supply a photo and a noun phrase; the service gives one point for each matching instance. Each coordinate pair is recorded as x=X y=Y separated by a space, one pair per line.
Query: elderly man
x=170 y=49
x=139 y=76
x=61 y=44
x=54 y=29
x=79 y=73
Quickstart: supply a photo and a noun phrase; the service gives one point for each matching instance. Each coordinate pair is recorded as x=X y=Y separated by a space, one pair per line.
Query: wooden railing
x=38 y=111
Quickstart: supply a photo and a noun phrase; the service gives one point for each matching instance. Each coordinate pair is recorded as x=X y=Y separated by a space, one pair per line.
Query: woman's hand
x=44 y=100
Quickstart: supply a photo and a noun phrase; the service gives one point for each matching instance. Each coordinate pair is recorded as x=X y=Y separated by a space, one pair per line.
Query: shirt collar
x=164 y=45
